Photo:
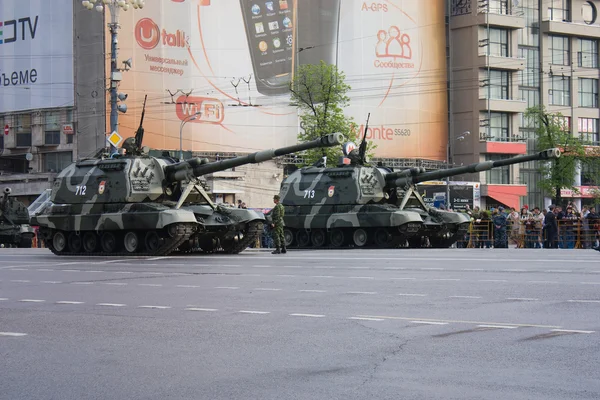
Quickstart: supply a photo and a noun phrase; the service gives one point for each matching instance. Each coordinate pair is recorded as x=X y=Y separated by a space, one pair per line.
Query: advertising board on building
x=232 y=60
x=462 y=194
x=36 y=54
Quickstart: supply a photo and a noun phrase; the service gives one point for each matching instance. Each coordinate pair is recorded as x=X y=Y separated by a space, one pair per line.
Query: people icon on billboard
x=393 y=44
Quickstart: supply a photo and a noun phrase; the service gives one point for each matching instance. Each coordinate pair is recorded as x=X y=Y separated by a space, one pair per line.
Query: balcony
x=503 y=63
x=567 y=28
x=495 y=145
x=502 y=105
x=504 y=20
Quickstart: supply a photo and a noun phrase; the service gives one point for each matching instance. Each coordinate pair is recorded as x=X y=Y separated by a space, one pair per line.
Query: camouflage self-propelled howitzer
x=442 y=228
x=15 y=230
x=361 y=205
x=137 y=204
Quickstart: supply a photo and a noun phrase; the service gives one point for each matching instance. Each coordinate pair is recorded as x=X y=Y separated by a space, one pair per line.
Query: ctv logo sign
x=148 y=35
x=9 y=31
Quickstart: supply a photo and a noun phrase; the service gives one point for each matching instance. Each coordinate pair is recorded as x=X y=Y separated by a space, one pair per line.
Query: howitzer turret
x=15 y=230
x=358 y=204
x=132 y=203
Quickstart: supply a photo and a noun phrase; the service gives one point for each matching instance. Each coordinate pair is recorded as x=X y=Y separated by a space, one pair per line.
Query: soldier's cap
x=276 y=197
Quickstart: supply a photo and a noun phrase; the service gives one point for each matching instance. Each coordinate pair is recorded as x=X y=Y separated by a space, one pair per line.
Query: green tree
x=553 y=130
x=320 y=93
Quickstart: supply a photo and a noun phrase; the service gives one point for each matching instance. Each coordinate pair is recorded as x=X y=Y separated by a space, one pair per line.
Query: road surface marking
x=249 y=275
x=69 y=302
x=52 y=282
x=542 y=282
x=584 y=301
x=366 y=319
x=361 y=292
x=361 y=277
x=472 y=269
x=522 y=298
x=262 y=266
x=82 y=283
x=150 y=284
x=267 y=289
x=20 y=281
x=156 y=307
x=492 y=280
x=13 y=334
x=465 y=297
x=446 y=279
x=313 y=291
x=188 y=286
x=498 y=326
x=154 y=258
x=590 y=283
x=110 y=261
x=358 y=267
x=111 y=305
x=155 y=273
x=404 y=279
x=429 y=322
x=45 y=269
x=394 y=268
x=123 y=272
x=19 y=269
x=94 y=271
x=227 y=287
x=308 y=315
x=460 y=321
x=3 y=299
x=254 y=312
x=571 y=331
x=558 y=270
x=432 y=269
x=287 y=276
x=200 y=309
x=515 y=270
x=32 y=301
x=412 y=294
x=322 y=276
x=114 y=283
x=70 y=270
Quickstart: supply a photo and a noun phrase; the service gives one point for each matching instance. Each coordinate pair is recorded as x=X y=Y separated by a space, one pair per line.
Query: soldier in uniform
x=277 y=214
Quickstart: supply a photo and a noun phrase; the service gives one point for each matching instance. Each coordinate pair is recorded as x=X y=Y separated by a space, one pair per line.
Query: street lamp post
x=183 y=122
x=114 y=6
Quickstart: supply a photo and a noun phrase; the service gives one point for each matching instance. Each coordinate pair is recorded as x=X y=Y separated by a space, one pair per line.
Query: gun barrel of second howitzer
x=477 y=167
x=201 y=167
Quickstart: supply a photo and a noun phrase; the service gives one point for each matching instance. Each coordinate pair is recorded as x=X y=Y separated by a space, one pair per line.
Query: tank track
x=184 y=231
x=255 y=228
x=396 y=242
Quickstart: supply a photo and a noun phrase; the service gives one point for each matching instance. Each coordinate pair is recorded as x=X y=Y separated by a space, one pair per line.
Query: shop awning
x=509 y=195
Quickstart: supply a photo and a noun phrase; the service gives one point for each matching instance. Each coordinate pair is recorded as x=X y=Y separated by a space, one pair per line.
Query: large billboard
x=36 y=54
x=231 y=60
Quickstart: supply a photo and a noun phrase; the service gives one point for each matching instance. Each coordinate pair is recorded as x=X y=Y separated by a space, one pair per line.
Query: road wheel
x=59 y=241
x=302 y=238
x=131 y=242
x=288 y=237
x=74 y=242
x=382 y=237
x=108 y=241
x=337 y=238
x=90 y=242
x=317 y=237
x=152 y=241
x=359 y=237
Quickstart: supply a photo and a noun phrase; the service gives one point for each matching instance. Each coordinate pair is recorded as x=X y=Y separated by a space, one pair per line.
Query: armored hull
x=15 y=230
x=136 y=204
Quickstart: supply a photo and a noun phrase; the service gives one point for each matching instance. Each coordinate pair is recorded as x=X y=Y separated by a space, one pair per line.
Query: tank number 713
x=80 y=191
x=309 y=194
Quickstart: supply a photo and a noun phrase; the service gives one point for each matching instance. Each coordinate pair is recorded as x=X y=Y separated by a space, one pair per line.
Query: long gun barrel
x=413 y=179
x=392 y=176
x=199 y=167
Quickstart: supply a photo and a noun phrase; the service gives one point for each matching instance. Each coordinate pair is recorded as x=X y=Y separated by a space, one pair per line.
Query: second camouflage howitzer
x=15 y=230
x=137 y=204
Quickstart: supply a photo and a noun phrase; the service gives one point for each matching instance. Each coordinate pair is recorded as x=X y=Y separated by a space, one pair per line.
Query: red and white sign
x=68 y=129
x=101 y=187
x=6 y=129
x=331 y=191
x=586 y=192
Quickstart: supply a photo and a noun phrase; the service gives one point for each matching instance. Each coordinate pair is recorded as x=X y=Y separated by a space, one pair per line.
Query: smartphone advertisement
x=220 y=71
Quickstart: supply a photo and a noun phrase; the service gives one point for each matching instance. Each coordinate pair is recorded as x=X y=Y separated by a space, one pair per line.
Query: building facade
x=53 y=92
x=506 y=56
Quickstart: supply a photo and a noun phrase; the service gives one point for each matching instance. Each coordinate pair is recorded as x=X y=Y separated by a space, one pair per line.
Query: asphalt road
x=355 y=324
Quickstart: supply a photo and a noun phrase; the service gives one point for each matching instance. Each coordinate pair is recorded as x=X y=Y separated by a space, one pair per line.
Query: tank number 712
x=80 y=190
x=309 y=194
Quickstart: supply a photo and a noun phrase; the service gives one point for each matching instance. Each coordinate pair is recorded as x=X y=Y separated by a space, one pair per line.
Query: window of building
x=559 y=10
x=532 y=98
x=530 y=76
x=589 y=175
x=560 y=90
x=500 y=175
x=498 y=6
x=498 y=42
x=588 y=92
x=560 y=50
x=69 y=139
x=588 y=130
x=52 y=128
x=499 y=127
x=530 y=35
x=587 y=56
x=56 y=162
x=499 y=82
x=23 y=130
